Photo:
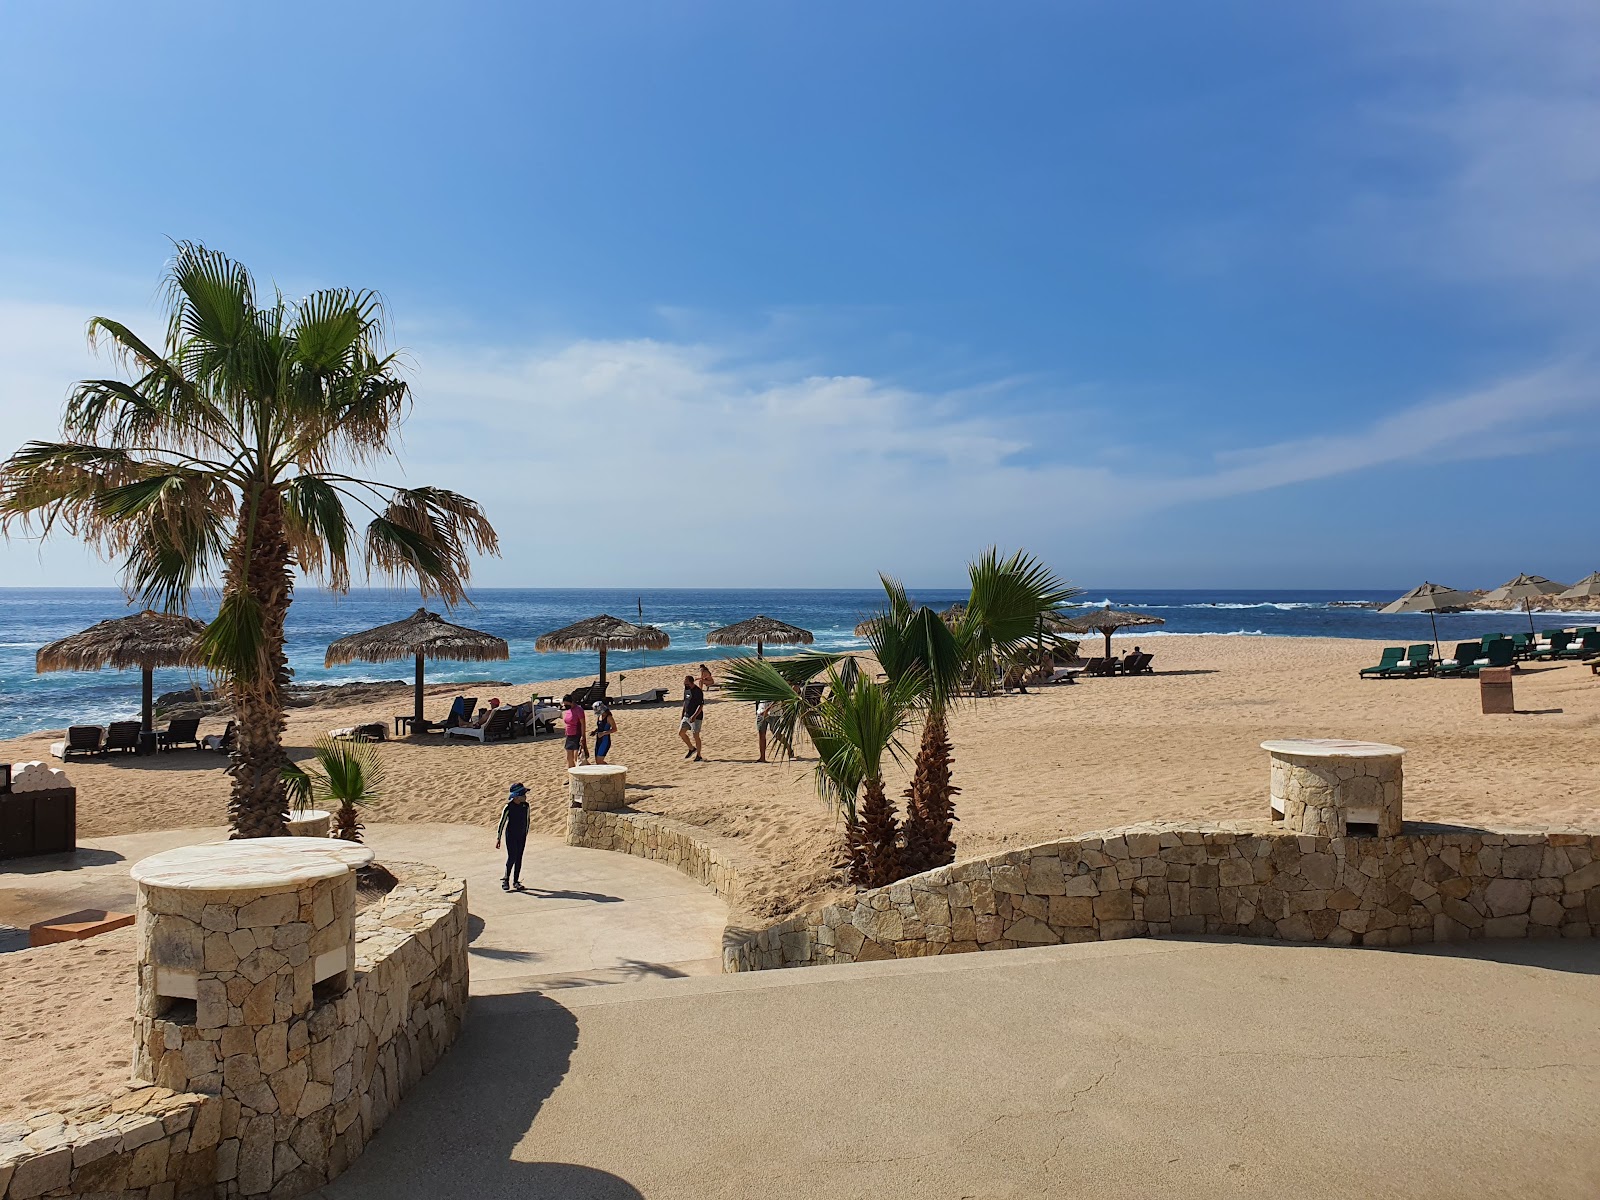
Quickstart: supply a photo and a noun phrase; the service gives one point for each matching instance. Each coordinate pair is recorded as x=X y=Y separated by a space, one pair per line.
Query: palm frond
x=235 y=644
x=318 y=529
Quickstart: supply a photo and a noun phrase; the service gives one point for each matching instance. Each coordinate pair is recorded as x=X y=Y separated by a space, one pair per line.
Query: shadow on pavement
x=454 y=1135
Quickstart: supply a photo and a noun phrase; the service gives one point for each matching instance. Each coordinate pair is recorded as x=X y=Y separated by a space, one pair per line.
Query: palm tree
x=229 y=455
x=348 y=774
x=853 y=724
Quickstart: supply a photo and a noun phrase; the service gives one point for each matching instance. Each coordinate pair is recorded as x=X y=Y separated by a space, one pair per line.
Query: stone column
x=240 y=944
x=599 y=789
x=1324 y=786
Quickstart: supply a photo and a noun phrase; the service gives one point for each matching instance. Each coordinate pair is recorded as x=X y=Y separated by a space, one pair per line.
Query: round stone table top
x=598 y=772
x=1330 y=748
x=250 y=864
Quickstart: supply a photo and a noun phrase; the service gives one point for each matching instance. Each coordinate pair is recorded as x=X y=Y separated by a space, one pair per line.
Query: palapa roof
x=424 y=633
x=603 y=633
x=1429 y=597
x=759 y=629
x=145 y=639
x=1524 y=587
x=1102 y=619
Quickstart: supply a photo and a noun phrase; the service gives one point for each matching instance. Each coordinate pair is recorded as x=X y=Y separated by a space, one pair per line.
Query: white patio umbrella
x=1585 y=588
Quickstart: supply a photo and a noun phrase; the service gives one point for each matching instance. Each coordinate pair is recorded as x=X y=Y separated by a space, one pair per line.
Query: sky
x=786 y=294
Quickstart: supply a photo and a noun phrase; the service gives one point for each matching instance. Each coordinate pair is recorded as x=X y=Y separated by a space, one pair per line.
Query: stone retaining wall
x=704 y=857
x=1431 y=883
x=343 y=1071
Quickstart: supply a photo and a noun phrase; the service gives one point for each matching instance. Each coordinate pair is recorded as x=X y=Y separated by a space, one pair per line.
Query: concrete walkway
x=1136 y=1068
x=588 y=917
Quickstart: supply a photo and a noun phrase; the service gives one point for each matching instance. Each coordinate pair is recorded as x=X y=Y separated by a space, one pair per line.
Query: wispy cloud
x=608 y=462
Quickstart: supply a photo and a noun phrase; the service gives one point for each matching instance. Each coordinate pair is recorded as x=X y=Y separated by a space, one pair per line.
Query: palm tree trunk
x=880 y=832
x=930 y=801
x=259 y=562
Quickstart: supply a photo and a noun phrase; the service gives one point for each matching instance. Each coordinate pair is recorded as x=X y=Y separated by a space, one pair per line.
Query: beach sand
x=1183 y=743
x=1104 y=752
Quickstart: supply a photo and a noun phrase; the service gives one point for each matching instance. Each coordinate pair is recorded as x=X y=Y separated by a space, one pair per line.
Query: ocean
x=31 y=617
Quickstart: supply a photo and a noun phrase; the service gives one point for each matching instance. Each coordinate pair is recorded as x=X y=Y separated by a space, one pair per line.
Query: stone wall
x=343 y=1070
x=704 y=857
x=1432 y=883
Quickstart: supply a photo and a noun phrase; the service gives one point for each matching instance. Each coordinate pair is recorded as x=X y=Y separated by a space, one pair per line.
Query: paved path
x=588 y=917
x=1143 y=1068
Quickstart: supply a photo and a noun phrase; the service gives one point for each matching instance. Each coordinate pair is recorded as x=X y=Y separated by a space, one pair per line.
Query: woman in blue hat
x=513 y=831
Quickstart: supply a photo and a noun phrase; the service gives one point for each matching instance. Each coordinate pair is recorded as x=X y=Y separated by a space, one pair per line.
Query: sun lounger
x=372 y=732
x=81 y=739
x=1138 y=664
x=496 y=728
x=1583 y=647
x=1064 y=675
x=1100 y=666
x=222 y=744
x=1464 y=655
x=184 y=731
x=124 y=736
x=590 y=692
x=1418 y=662
x=1499 y=655
x=1391 y=658
x=648 y=696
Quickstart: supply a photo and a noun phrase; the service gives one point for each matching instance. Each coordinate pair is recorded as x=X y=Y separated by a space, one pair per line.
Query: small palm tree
x=854 y=724
x=347 y=777
x=228 y=456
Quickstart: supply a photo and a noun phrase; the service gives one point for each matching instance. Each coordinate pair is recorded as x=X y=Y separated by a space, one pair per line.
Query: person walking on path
x=572 y=723
x=694 y=712
x=513 y=831
x=763 y=722
x=605 y=724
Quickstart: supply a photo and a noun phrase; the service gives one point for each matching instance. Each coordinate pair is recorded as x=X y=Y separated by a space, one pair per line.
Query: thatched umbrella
x=146 y=640
x=1107 y=620
x=422 y=635
x=1525 y=588
x=603 y=633
x=1431 y=598
x=1586 y=587
x=758 y=630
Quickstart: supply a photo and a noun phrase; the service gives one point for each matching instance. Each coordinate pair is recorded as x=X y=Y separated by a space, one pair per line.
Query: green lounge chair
x=1552 y=648
x=1522 y=645
x=1466 y=653
x=1392 y=655
x=1419 y=660
x=1580 y=647
x=1497 y=654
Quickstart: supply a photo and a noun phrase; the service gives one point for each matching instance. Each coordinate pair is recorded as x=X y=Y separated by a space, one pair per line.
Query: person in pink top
x=572 y=721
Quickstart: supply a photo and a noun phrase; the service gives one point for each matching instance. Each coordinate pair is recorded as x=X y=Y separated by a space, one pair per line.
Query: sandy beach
x=1179 y=744
x=1182 y=743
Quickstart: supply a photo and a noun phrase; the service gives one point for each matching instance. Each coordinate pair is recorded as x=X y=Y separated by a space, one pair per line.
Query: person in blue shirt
x=513 y=831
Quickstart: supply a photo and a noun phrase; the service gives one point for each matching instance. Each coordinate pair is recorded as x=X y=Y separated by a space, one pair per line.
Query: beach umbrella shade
x=1526 y=588
x=1585 y=588
x=603 y=633
x=1105 y=620
x=1431 y=598
x=145 y=640
x=421 y=636
x=757 y=631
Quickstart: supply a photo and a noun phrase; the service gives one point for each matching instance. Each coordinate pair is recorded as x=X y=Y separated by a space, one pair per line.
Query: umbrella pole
x=416 y=706
x=758 y=648
x=602 y=666
x=147 y=722
x=1527 y=604
x=1107 y=632
x=1434 y=618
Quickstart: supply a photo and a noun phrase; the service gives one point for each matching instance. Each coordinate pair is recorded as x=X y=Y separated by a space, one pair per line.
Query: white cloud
x=1494 y=114
x=661 y=463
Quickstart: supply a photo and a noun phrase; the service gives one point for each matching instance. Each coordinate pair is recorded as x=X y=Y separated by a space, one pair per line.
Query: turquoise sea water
x=30 y=617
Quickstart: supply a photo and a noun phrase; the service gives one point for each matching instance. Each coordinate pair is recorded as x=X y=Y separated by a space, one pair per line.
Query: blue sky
x=783 y=294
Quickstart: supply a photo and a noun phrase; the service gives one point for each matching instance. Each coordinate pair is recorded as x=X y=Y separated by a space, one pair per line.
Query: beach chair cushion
x=1386 y=663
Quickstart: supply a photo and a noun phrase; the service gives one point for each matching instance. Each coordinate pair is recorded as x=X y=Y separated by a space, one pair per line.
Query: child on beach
x=573 y=725
x=604 y=726
x=513 y=830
